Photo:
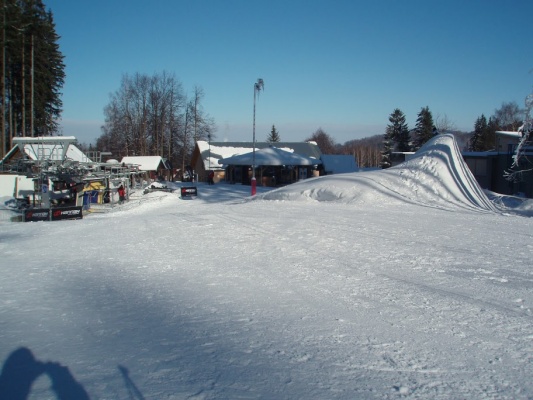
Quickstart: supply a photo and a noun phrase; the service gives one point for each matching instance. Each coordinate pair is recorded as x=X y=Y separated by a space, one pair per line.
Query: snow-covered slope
x=404 y=285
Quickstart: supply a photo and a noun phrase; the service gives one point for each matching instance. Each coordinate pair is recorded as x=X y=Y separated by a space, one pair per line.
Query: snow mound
x=436 y=176
x=511 y=204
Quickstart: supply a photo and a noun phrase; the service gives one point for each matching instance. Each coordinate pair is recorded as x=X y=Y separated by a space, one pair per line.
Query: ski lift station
x=51 y=178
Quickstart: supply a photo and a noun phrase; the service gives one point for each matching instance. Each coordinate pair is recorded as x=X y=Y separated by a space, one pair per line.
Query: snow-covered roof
x=339 y=164
x=510 y=133
x=145 y=163
x=270 y=156
x=212 y=152
x=479 y=154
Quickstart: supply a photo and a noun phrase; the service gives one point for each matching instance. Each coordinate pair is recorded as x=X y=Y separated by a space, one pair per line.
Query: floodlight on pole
x=258 y=86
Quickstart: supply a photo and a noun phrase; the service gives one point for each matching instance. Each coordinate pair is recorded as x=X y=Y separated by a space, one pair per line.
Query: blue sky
x=342 y=66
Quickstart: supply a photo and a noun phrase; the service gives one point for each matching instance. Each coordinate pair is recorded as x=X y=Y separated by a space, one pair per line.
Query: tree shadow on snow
x=21 y=369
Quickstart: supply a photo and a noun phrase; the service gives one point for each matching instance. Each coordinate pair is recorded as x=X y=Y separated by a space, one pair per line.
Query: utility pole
x=32 y=132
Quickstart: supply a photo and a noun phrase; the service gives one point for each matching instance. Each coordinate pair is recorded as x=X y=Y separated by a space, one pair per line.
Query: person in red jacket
x=121 y=194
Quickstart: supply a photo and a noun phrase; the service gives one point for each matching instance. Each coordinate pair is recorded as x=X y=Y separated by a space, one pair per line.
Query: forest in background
x=33 y=72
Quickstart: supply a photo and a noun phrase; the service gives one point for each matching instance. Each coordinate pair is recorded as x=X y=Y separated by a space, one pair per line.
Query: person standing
x=121 y=194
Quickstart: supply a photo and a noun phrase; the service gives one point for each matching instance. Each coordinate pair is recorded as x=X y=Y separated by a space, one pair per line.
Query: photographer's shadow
x=21 y=369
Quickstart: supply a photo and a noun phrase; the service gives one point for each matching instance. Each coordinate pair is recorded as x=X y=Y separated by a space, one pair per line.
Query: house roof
x=269 y=156
x=339 y=164
x=510 y=133
x=145 y=163
x=212 y=152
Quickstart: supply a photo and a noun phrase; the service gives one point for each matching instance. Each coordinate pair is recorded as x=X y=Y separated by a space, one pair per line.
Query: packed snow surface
x=403 y=283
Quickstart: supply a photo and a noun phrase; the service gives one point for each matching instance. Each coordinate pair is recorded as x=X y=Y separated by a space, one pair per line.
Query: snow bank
x=512 y=204
x=436 y=176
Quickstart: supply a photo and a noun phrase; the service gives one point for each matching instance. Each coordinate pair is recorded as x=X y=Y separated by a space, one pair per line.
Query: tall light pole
x=209 y=154
x=257 y=88
x=32 y=109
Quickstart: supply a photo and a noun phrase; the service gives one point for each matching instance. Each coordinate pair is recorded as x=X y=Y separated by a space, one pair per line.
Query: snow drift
x=436 y=176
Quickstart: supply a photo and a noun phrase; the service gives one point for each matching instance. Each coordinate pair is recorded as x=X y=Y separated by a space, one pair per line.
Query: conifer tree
x=483 y=138
x=49 y=71
x=424 y=129
x=386 y=152
x=273 y=137
x=33 y=70
x=399 y=131
x=480 y=128
x=490 y=135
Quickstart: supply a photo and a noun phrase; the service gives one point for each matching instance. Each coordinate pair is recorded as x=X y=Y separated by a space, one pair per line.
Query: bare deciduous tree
x=150 y=115
x=444 y=124
x=509 y=116
x=324 y=141
x=367 y=151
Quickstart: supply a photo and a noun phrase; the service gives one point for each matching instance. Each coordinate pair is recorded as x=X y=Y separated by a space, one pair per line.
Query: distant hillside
x=462 y=139
x=376 y=140
x=367 y=151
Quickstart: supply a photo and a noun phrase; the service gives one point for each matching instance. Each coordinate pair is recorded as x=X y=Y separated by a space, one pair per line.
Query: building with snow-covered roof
x=207 y=156
x=155 y=166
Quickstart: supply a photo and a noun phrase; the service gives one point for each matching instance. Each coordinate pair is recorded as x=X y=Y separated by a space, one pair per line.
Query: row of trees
x=484 y=135
x=507 y=118
x=151 y=115
x=32 y=71
x=376 y=151
x=398 y=136
x=367 y=151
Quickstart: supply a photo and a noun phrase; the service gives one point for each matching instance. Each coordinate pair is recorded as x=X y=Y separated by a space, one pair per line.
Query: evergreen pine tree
x=424 y=129
x=490 y=134
x=49 y=78
x=484 y=135
x=386 y=152
x=399 y=131
x=478 y=137
x=274 y=136
x=34 y=70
